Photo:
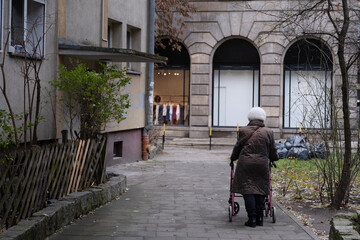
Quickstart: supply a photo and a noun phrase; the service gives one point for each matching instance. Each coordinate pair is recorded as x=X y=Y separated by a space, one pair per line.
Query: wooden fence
x=37 y=175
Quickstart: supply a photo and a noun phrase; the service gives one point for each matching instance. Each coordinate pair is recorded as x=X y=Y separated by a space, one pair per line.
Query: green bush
x=93 y=97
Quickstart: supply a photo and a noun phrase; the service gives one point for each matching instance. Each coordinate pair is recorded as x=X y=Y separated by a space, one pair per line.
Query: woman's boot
x=260 y=218
x=251 y=222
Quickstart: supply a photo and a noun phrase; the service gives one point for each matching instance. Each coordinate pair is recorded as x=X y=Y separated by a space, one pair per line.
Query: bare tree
x=4 y=92
x=28 y=49
x=170 y=20
x=336 y=21
x=314 y=98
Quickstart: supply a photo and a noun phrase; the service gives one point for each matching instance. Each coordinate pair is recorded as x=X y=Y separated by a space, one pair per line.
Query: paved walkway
x=181 y=194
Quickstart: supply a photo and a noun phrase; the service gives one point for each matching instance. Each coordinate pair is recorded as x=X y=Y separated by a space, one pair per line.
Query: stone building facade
x=238 y=57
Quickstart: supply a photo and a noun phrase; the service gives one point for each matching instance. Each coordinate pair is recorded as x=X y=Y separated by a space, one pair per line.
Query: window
x=231 y=87
x=27 y=20
x=114 y=34
x=118 y=149
x=109 y=36
x=172 y=87
x=128 y=46
x=235 y=83
x=307 y=98
x=133 y=36
x=307 y=85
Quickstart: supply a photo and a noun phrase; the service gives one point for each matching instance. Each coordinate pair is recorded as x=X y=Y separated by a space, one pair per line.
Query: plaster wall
x=131 y=16
x=83 y=21
x=135 y=117
x=14 y=77
x=131 y=147
x=83 y=25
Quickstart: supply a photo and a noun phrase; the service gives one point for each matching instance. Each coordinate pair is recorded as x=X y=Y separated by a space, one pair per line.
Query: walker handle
x=232 y=164
x=272 y=164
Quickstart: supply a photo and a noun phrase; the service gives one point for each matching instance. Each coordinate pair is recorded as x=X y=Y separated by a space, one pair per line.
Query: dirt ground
x=316 y=218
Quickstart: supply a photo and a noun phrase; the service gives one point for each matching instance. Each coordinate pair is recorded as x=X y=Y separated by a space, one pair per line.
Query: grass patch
x=300 y=180
x=296 y=179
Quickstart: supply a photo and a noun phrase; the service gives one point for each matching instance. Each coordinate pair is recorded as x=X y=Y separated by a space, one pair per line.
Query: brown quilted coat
x=254 y=148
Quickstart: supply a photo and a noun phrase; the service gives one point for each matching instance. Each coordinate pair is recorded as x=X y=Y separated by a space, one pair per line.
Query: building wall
x=84 y=21
x=129 y=152
x=217 y=21
x=129 y=17
x=14 y=77
x=125 y=16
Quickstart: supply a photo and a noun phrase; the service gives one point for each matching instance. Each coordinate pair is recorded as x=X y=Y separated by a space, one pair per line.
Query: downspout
x=103 y=21
x=149 y=82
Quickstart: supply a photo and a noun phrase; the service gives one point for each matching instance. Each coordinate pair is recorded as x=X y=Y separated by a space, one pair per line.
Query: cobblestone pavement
x=180 y=194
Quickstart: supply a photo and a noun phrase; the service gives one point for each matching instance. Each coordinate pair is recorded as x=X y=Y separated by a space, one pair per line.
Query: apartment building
x=89 y=31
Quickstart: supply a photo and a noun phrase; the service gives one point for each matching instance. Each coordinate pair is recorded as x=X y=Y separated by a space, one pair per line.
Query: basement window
x=118 y=149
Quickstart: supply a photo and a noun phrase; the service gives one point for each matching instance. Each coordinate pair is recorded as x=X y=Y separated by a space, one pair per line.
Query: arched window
x=171 y=86
x=307 y=85
x=235 y=83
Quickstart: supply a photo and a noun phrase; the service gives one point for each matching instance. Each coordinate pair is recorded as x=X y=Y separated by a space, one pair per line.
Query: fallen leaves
x=296 y=186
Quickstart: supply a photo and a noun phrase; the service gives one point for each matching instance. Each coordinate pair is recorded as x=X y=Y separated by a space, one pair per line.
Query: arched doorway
x=235 y=82
x=171 y=86
x=307 y=85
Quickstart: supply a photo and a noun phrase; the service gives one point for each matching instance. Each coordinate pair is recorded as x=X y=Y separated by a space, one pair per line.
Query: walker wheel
x=236 y=208
x=267 y=209
x=230 y=213
x=274 y=214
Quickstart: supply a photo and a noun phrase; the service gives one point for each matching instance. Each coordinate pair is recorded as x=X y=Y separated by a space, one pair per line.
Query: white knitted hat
x=257 y=113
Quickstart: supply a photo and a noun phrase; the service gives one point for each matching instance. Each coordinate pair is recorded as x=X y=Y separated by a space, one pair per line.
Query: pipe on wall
x=150 y=69
x=149 y=82
x=103 y=21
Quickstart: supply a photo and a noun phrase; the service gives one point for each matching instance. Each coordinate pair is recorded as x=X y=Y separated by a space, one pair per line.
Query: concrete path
x=180 y=194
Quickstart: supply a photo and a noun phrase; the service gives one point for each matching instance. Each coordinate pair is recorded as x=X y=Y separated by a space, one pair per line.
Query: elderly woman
x=254 y=149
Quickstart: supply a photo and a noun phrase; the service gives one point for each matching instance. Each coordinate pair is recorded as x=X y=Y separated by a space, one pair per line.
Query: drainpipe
x=149 y=81
x=103 y=21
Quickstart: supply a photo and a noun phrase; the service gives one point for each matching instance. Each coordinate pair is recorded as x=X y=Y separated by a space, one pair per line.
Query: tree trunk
x=346 y=170
x=37 y=111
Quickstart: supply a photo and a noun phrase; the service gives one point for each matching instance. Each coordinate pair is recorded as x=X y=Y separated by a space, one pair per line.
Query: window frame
x=312 y=68
x=184 y=71
x=11 y=48
x=129 y=46
x=110 y=35
x=255 y=95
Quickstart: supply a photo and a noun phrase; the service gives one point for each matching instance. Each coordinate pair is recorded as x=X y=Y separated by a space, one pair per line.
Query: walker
x=234 y=207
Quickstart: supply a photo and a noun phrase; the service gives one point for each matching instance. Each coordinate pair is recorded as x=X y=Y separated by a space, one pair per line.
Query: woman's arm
x=273 y=153
x=236 y=151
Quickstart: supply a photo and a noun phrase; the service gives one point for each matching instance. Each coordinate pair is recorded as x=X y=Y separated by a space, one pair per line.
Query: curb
x=62 y=212
x=297 y=221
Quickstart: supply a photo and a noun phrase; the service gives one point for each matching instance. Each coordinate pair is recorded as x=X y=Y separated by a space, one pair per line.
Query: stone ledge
x=62 y=212
x=345 y=226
